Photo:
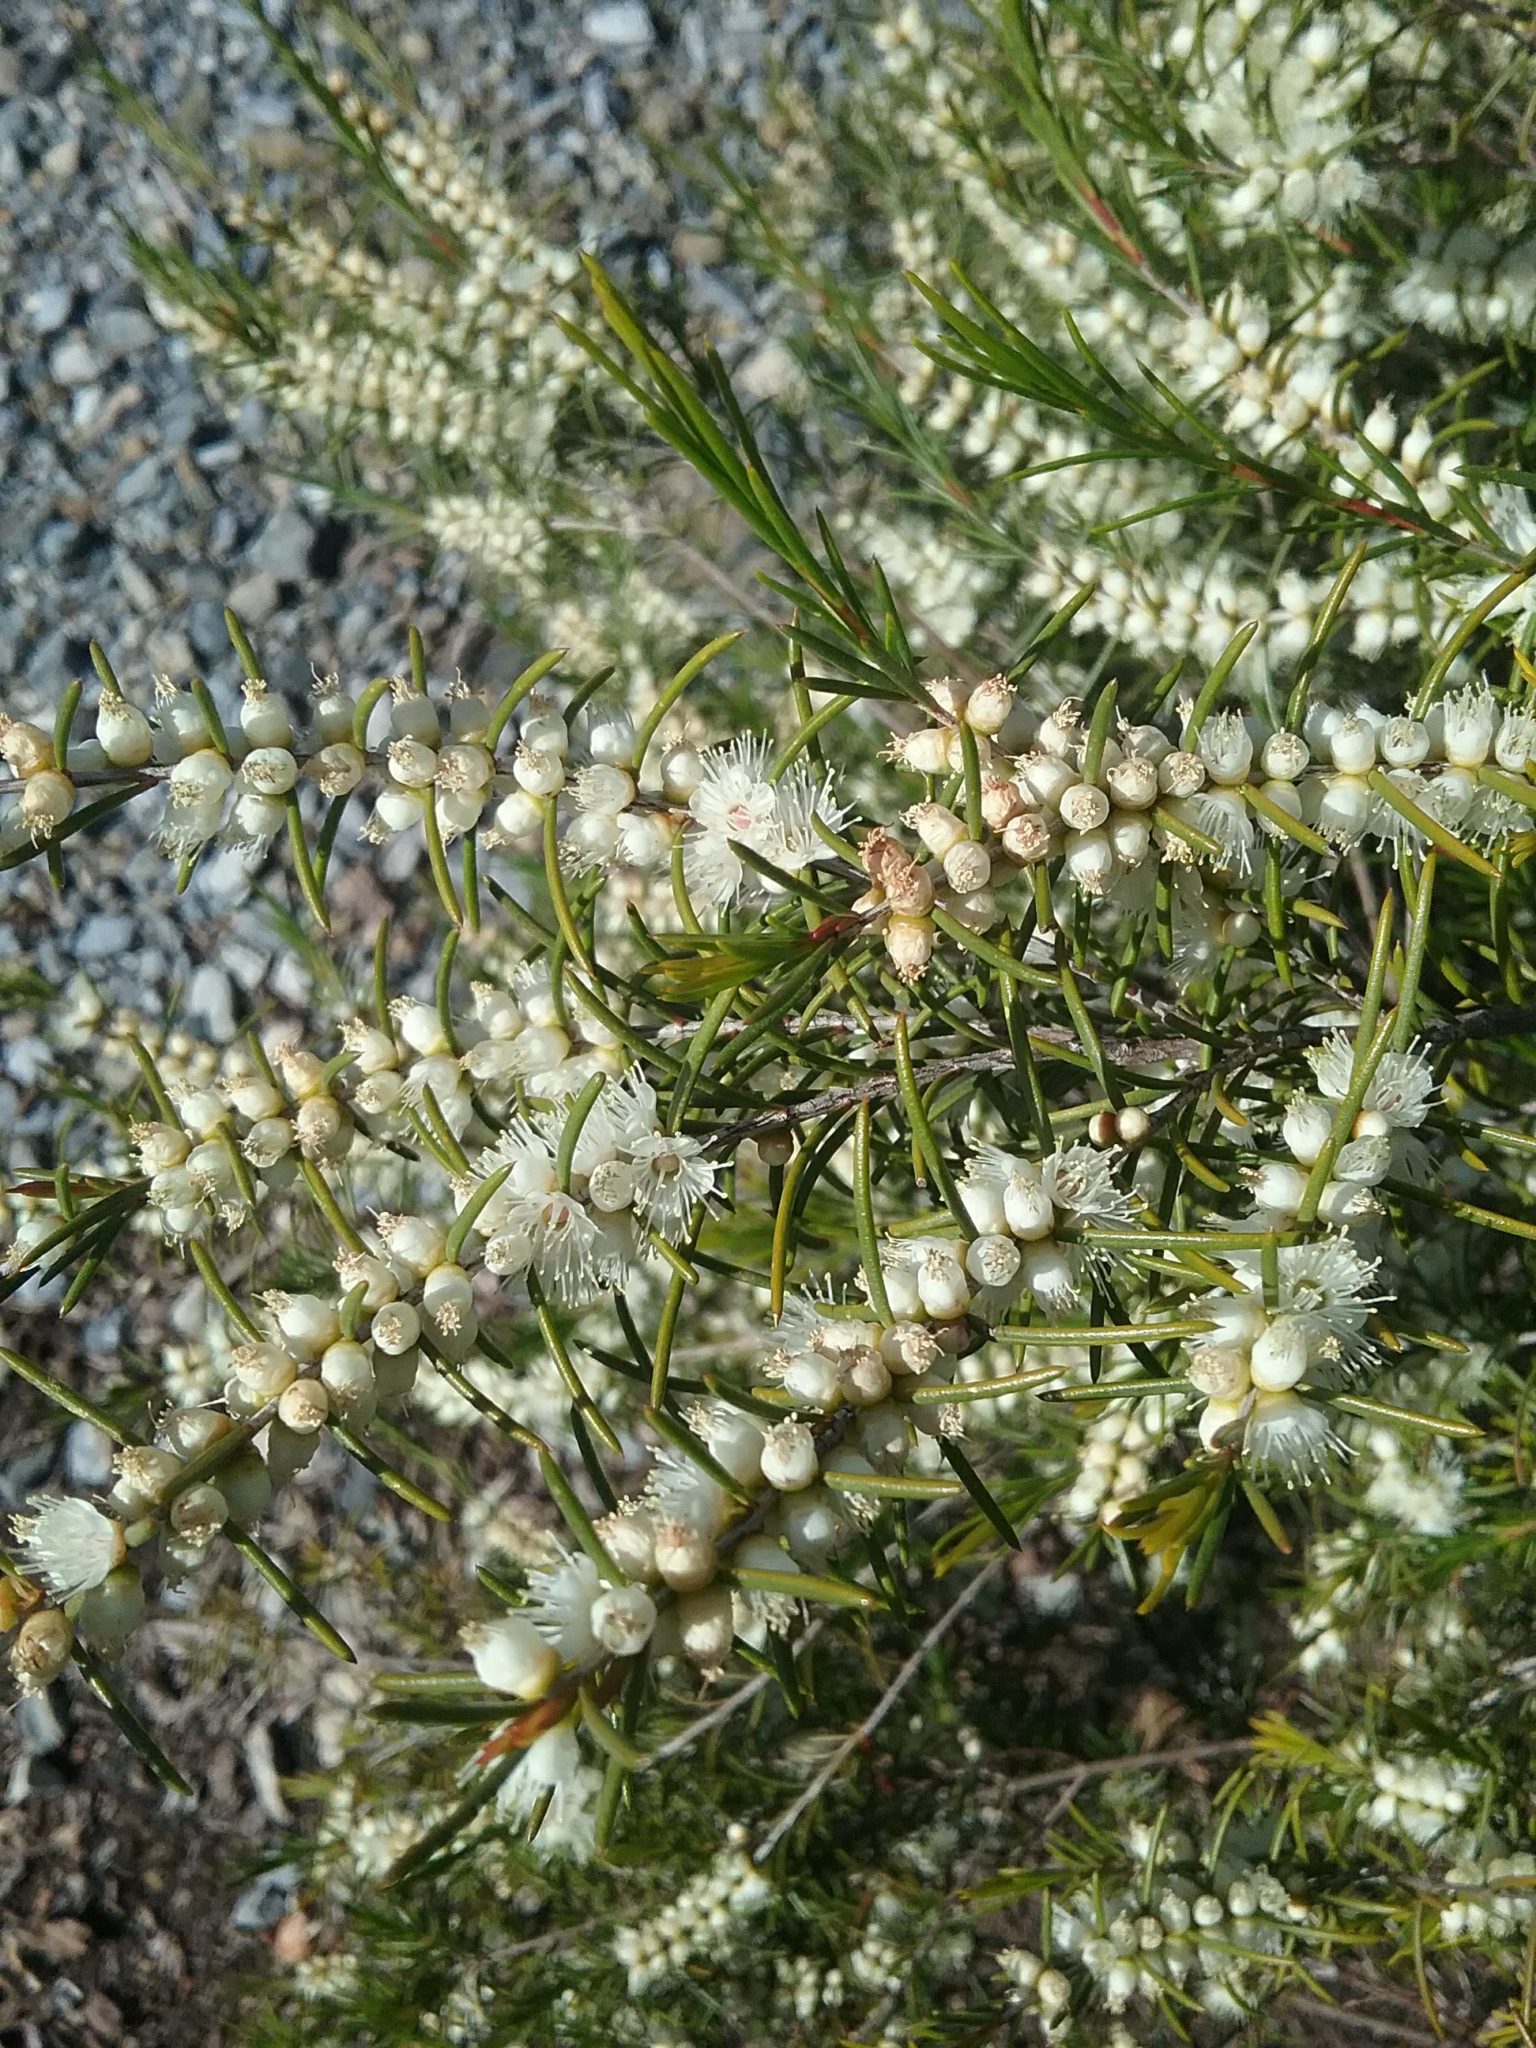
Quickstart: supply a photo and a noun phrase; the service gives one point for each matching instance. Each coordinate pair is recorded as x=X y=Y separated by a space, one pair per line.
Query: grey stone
x=123 y=330
x=255 y=598
x=209 y=1002
x=73 y=362
x=102 y=936
x=620 y=24
x=283 y=545
x=135 y=485
x=87 y=1456
x=48 y=309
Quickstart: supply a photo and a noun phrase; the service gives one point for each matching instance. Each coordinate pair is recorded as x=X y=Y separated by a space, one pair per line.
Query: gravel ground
x=135 y=501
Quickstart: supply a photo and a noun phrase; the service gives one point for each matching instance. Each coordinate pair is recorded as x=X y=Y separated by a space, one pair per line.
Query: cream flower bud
x=338 y=768
x=1090 y=862
x=909 y=1348
x=1000 y=801
x=264 y=1370
x=1045 y=779
x=814 y=1381
x=1061 y=733
x=942 y=1287
x=866 y=1377
x=40 y=1650
x=412 y=763
x=1351 y=744
x=1084 y=807
x=413 y=1241
x=47 y=798
x=199 y=1513
x=268 y=771
x=396 y=1328
x=988 y=705
x=686 y=1559
x=160 y=1147
x=623 y=1619
x=322 y=1129
x=936 y=826
x=304 y=1407
x=124 y=733
x=1133 y=1127
x=706 y=1626
x=143 y=1471
x=925 y=752
x=1180 y=774
x=1027 y=838
x=1226 y=747
x=346 y=1371
x=202 y=778
x=188 y=1432
x=264 y=717
x=307 y=1322
x=1469 y=719
x=1219 y=1371
x=1133 y=783
x=25 y=748
x=539 y=773
x=517 y=815
x=682 y=773
x=1278 y=1186
x=1029 y=1210
x=992 y=1261
x=1404 y=742
x=789 y=1457
x=1046 y=1270
x=1279 y=1357
x=510 y=1656
x=909 y=942
x=1285 y=756
x=967 y=866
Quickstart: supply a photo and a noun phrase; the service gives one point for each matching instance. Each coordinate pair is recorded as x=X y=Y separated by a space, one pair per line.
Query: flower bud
x=909 y=943
x=47 y=798
x=967 y=867
x=789 y=1457
x=1279 y=1356
x=936 y=826
x=1180 y=774
x=40 y=1650
x=992 y=1261
x=510 y=1656
x=1219 y=1371
x=199 y=1513
x=682 y=773
x=396 y=1328
x=866 y=1377
x=304 y=1407
x=622 y=1619
x=143 y=1473
x=686 y=1559
x=1284 y=757
x=346 y=1371
x=1133 y=783
x=988 y=705
x=1084 y=807
x=706 y=1626
x=124 y=733
x=1305 y=1128
x=814 y=1381
x=110 y=1612
x=1027 y=838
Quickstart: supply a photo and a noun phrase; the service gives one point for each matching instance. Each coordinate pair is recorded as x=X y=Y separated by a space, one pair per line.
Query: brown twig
x=876 y=1714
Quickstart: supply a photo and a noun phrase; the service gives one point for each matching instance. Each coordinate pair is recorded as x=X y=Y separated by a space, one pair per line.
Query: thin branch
x=877 y=1713
x=1496 y=1020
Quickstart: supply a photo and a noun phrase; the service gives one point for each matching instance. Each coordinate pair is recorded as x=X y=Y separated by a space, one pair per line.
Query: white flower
x=735 y=805
x=1400 y=1092
x=1290 y=1439
x=68 y=1544
x=561 y=1598
x=552 y=1766
x=510 y=1655
x=671 y=1174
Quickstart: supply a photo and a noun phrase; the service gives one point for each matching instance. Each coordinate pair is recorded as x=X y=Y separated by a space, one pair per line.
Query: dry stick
x=1493 y=1021
x=876 y=1714
x=1384 y=2030
x=1136 y=1760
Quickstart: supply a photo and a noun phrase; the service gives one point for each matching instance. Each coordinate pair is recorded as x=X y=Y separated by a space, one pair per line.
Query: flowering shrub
x=1048 y=1088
